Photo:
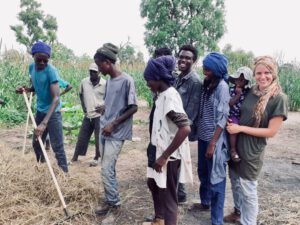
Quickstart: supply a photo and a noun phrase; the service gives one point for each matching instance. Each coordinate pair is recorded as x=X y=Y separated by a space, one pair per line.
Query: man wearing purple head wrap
x=212 y=140
x=161 y=68
x=169 y=135
x=44 y=78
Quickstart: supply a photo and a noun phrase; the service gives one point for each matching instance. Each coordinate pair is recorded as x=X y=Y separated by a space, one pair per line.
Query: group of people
x=228 y=123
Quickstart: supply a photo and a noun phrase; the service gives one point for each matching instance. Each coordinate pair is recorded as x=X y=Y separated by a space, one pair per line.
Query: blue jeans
x=55 y=130
x=110 y=150
x=210 y=194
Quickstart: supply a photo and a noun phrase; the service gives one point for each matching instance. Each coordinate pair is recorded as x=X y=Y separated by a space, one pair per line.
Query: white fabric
x=163 y=133
x=92 y=96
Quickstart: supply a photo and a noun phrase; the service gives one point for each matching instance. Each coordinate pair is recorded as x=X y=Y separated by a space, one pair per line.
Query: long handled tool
x=26 y=128
x=47 y=160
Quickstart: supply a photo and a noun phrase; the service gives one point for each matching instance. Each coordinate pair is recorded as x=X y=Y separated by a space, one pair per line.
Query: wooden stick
x=61 y=197
x=26 y=127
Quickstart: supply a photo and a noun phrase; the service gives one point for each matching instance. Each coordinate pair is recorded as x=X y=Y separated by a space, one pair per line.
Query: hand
x=238 y=90
x=233 y=128
x=40 y=130
x=100 y=109
x=210 y=151
x=22 y=89
x=108 y=129
x=159 y=163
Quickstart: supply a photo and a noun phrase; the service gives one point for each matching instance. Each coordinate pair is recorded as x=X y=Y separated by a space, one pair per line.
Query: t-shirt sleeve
x=132 y=99
x=53 y=75
x=62 y=83
x=280 y=107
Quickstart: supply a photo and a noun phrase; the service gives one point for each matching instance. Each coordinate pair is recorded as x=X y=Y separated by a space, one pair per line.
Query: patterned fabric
x=235 y=110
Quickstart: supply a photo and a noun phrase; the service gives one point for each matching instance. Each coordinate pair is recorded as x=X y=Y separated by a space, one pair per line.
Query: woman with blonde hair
x=262 y=113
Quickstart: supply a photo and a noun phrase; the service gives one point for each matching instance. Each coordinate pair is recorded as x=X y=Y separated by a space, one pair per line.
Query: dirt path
x=279 y=183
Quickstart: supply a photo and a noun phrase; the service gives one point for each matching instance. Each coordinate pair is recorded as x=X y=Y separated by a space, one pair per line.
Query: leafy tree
x=178 y=22
x=60 y=52
x=237 y=58
x=140 y=57
x=36 y=26
x=126 y=53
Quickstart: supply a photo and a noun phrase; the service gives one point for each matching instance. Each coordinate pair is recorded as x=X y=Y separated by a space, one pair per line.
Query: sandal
x=235 y=157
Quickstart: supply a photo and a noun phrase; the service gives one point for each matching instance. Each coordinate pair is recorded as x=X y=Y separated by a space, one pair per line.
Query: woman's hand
x=233 y=128
x=210 y=151
x=159 y=163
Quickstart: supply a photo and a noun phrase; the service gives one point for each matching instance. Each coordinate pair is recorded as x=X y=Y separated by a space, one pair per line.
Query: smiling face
x=263 y=76
x=41 y=60
x=208 y=74
x=185 y=61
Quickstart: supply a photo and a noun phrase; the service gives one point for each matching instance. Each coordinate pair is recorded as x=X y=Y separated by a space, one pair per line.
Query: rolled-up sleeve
x=222 y=98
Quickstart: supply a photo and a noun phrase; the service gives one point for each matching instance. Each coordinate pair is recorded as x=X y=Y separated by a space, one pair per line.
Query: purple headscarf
x=217 y=63
x=41 y=47
x=161 y=68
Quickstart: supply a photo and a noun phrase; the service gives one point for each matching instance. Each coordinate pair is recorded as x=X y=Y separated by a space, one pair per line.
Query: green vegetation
x=175 y=23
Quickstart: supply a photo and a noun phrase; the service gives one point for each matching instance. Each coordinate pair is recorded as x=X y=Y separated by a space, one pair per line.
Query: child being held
x=242 y=84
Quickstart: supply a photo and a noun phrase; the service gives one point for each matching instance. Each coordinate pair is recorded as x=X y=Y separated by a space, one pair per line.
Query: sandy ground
x=279 y=183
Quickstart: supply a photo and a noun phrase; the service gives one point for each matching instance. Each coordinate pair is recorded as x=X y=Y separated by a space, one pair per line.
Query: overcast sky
x=261 y=26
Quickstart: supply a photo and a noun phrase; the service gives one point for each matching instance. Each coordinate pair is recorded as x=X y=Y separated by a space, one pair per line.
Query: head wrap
x=41 y=47
x=217 y=63
x=161 y=68
x=109 y=51
x=268 y=62
x=264 y=95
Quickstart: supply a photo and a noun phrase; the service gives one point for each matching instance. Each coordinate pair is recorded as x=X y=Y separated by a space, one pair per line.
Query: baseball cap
x=94 y=67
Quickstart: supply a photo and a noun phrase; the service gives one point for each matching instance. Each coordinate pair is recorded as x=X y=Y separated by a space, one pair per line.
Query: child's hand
x=238 y=90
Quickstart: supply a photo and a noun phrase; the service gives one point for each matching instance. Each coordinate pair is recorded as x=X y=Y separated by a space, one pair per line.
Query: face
x=241 y=81
x=41 y=60
x=94 y=75
x=153 y=85
x=103 y=66
x=263 y=76
x=208 y=74
x=185 y=60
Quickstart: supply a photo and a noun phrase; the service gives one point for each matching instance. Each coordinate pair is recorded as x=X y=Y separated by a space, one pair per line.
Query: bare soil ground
x=279 y=183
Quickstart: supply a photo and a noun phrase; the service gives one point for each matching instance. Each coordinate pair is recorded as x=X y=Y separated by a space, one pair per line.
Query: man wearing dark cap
x=92 y=89
x=45 y=79
x=116 y=124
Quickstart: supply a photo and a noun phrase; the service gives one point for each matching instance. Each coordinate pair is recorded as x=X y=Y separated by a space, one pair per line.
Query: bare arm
x=108 y=129
x=67 y=89
x=270 y=131
x=234 y=99
x=212 y=144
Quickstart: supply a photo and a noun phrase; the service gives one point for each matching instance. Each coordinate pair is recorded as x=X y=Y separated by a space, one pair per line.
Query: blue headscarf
x=41 y=47
x=217 y=63
x=161 y=68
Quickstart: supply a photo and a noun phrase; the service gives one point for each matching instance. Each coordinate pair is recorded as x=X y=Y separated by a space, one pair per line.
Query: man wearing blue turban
x=212 y=141
x=45 y=77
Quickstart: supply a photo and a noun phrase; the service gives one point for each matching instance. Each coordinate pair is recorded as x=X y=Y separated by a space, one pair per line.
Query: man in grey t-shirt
x=116 y=124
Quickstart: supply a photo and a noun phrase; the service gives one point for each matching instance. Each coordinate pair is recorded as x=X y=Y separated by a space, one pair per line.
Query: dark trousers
x=210 y=194
x=55 y=130
x=88 y=126
x=165 y=199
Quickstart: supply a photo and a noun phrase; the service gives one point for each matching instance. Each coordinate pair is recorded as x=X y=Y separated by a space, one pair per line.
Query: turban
x=268 y=62
x=41 y=47
x=109 y=51
x=217 y=63
x=161 y=68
